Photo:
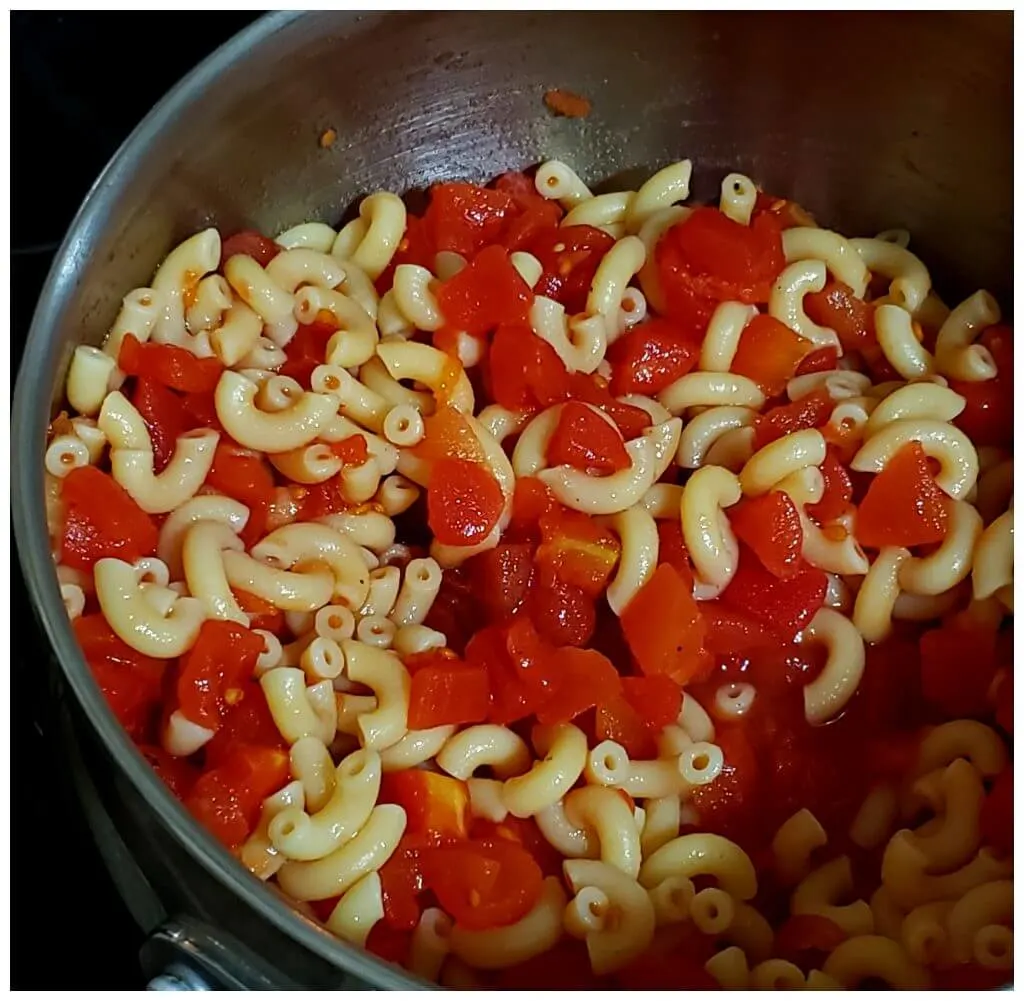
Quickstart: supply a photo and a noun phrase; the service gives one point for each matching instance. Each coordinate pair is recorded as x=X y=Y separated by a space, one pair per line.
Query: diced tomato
x=133 y=690
x=246 y=477
x=577 y=550
x=672 y=549
x=536 y=213
x=464 y=502
x=664 y=628
x=903 y=505
x=316 y=500
x=770 y=525
x=211 y=674
x=563 y=613
x=657 y=699
x=837 y=308
x=531 y=500
x=178 y=774
x=585 y=440
x=307 y=349
x=448 y=435
x=455 y=611
x=522 y=831
x=838 y=493
x=163 y=412
x=401 y=881
x=247 y=722
x=789 y=213
x=580 y=680
x=631 y=421
x=524 y=372
x=651 y=356
x=456 y=693
x=483 y=884
x=782 y=606
x=200 y=411
x=707 y=258
x=415 y=247
x=248 y=241
x=465 y=217
x=731 y=630
x=997 y=814
x=352 y=451
x=805 y=939
x=769 y=353
x=262 y=614
x=501 y=577
x=987 y=418
x=511 y=699
x=811 y=411
x=570 y=256
x=620 y=721
x=487 y=292
x=436 y=806
x=957 y=667
x=819 y=360
x=170 y=365
x=101 y=520
x=226 y=800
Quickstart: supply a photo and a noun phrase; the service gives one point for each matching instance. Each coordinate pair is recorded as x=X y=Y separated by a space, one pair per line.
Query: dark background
x=76 y=94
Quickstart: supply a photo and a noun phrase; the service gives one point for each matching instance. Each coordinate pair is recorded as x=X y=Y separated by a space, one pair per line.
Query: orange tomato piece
x=448 y=693
x=464 y=502
x=352 y=450
x=770 y=525
x=501 y=577
x=487 y=292
x=584 y=440
x=308 y=348
x=619 y=720
x=664 y=628
x=650 y=357
x=246 y=477
x=837 y=308
x=262 y=614
x=252 y=243
x=511 y=698
x=570 y=256
x=672 y=549
x=436 y=806
x=903 y=505
x=246 y=723
x=172 y=366
x=987 y=418
x=769 y=353
x=165 y=414
x=577 y=550
x=838 y=493
x=448 y=435
x=577 y=680
x=811 y=411
x=465 y=217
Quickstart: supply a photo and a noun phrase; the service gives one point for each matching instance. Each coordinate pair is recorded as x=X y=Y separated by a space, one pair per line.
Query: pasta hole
x=287 y=828
x=701 y=762
x=609 y=763
x=334 y=621
x=145 y=300
x=552 y=182
x=737 y=187
x=332 y=382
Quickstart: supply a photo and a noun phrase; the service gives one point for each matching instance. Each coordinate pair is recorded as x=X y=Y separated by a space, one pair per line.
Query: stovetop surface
x=76 y=93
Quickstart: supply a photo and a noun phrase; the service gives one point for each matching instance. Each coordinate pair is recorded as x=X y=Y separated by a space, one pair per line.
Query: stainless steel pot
x=870 y=120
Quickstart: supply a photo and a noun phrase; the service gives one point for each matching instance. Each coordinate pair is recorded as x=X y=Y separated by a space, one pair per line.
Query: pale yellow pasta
x=580 y=342
x=923 y=932
x=777 y=460
x=701 y=433
x=420 y=583
x=73 y=598
x=414 y=297
x=310 y=464
x=990 y=903
x=894 y=328
x=558 y=181
x=663 y=501
x=732 y=450
x=617 y=268
x=180 y=272
x=391 y=321
x=994 y=491
x=430 y=943
x=371 y=244
x=88 y=432
x=700 y=763
x=956 y=354
x=661 y=823
x=733 y=700
x=962 y=738
x=888 y=915
x=309 y=836
x=180 y=479
x=876 y=817
x=322 y=658
x=485 y=800
x=417 y=639
x=123 y=424
x=572 y=838
x=299 y=711
x=606 y=212
x=335 y=622
x=711 y=389
x=314 y=235
x=359 y=909
x=204 y=569
x=206 y=507
x=876 y=597
x=750 y=931
x=356 y=338
x=350 y=707
x=786 y=301
x=255 y=287
x=820 y=891
x=835 y=550
x=137 y=621
x=529 y=456
x=957 y=836
x=722 y=338
x=694 y=719
x=237 y=333
x=840 y=384
x=385 y=675
x=834 y=687
x=909 y=279
x=794 y=844
x=809 y=243
x=531 y=935
x=605 y=812
x=950 y=563
x=257 y=853
x=303 y=266
x=712 y=910
x=181 y=737
x=370 y=529
x=91 y=375
x=671 y=900
x=587 y=912
x=383 y=590
x=737 y=198
x=638 y=558
x=346 y=865
x=693 y=855
x=350 y=398
x=776 y=975
x=264 y=354
x=710 y=540
x=140 y=310
x=672 y=741
x=64 y=453
x=661 y=190
x=993 y=557
x=415 y=748
x=431 y=367
x=311 y=764
x=916 y=401
x=564 y=754
x=375 y=630
x=729 y=968
x=872 y=956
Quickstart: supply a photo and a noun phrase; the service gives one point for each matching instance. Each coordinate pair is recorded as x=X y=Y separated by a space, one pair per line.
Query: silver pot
x=869 y=120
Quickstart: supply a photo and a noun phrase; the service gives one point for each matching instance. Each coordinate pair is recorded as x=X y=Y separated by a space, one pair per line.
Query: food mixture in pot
x=568 y=591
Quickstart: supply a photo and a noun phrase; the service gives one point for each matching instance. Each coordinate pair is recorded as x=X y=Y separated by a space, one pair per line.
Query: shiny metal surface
x=871 y=121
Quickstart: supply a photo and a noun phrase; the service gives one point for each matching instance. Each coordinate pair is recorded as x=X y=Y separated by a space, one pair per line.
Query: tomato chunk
x=246 y=477
x=807 y=933
x=511 y=698
x=212 y=672
x=172 y=366
x=248 y=241
x=811 y=411
x=838 y=493
x=570 y=256
x=769 y=353
x=501 y=577
x=435 y=805
x=101 y=520
x=245 y=723
x=464 y=502
x=487 y=292
x=579 y=680
x=650 y=356
x=178 y=774
x=165 y=415
x=672 y=549
x=584 y=440
x=483 y=884
x=837 y=308
x=308 y=348
x=577 y=550
x=987 y=417
x=455 y=693
x=664 y=628
x=401 y=880
x=903 y=505
x=771 y=526
x=524 y=372
x=465 y=217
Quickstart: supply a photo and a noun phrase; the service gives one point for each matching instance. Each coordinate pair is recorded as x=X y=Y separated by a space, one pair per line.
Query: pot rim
x=29 y=418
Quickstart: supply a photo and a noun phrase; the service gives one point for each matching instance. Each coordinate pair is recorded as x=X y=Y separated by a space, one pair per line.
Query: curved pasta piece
x=485 y=745
x=693 y=855
x=602 y=810
x=818 y=892
x=956 y=837
x=709 y=537
x=181 y=478
x=711 y=389
x=579 y=342
x=956 y=354
x=433 y=368
x=204 y=569
x=786 y=302
x=988 y=904
x=993 y=557
x=802 y=243
x=638 y=535
x=916 y=401
x=876 y=598
x=356 y=338
x=565 y=754
x=381 y=671
x=910 y=282
x=839 y=678
x=778 y=459
x=962 y=738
